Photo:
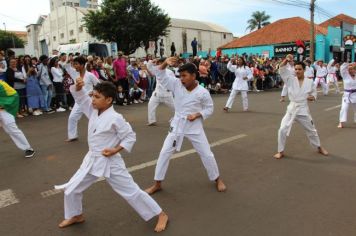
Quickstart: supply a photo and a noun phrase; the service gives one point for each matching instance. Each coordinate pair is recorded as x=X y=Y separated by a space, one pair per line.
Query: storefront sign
x=282 y=50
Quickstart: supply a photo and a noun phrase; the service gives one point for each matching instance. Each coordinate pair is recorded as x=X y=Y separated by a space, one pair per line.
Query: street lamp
x=4 y=25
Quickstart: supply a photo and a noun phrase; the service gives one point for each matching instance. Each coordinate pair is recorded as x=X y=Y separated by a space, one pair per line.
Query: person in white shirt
x=321 y=73
x=57 y=78
x=108 y=134
x=331 y=78
x=300 y=91
x=193 y=104
x=160 y=94
x=348 y=74
x=243 y=74
x=89 y=82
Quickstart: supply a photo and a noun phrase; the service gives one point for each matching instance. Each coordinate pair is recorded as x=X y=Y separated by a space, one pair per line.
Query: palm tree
x=258 y=20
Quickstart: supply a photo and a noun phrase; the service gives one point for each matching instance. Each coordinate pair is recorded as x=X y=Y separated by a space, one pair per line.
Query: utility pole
x=312 y=36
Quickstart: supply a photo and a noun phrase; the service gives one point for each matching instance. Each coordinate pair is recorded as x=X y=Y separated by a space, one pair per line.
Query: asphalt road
x=303 y=194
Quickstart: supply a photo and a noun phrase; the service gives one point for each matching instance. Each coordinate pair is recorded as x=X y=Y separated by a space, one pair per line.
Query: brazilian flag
x=9 y=99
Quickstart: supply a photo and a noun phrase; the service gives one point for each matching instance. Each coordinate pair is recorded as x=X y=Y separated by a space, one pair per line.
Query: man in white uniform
x=321 y=73
x=108 y=135
x=193 y=104
x=160 y=95
x=348 y=74
x=9 y=104
x=331 y=78
x=89 y=82
x=243 y=74
x=300 y=91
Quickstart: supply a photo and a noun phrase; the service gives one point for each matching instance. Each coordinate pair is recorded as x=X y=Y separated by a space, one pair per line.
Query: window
x=224 y=36
x=54 y=38
x=71 y=33
x=81 y=29
x=62 y=35
x=76 y=4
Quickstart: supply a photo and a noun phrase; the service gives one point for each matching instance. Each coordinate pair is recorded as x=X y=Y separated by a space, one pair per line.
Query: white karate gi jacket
x=105 y=131
x=349 y=84
x=240 y=72
x=297 y=94
x=321 y=72
x=186 y=103
x=309 y=72
x=160 y=90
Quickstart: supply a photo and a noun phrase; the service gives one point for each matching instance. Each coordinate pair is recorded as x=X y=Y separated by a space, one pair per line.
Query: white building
x=93 y=4
x=64 y=25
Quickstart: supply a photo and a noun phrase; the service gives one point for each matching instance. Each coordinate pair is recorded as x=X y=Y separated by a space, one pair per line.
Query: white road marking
x=7 y=198
x=332 y=108
x=52 y=192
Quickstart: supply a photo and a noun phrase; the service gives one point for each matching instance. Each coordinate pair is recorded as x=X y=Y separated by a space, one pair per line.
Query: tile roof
x=336 y=21
x=282 y=31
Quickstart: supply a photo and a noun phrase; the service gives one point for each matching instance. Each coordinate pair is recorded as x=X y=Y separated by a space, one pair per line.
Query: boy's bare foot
x=154 y=188
x=162 y=222
x=71 y=140
x=340 y=126
x=74 y=220
x=323 y=151
x=220 y=186
x=282 y=99
x=152 y=124
x=226 y=109
x=279 y=155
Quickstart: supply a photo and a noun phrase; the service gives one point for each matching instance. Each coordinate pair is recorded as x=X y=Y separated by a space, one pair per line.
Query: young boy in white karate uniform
x=9 y=104
x=321 y=72
x=193 y=104
x=160 y=95
x=108 y=135
x=300 y=91
x=348 y=74
x=90 y=81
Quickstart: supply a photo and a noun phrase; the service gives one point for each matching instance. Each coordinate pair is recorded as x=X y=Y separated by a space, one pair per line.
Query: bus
x=86 y=48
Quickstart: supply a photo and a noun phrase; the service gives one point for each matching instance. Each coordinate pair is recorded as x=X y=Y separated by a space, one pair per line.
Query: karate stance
x=108 y=135
x=348 y=74
x=242 y=75
x=9 y=105
x=160 y=95
x=90 y=81
x=193 y=104
x=300 y=91
x=321 y=73
x=331 y=78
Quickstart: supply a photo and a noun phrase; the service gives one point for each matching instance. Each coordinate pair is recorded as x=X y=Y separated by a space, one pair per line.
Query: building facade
x=93 y=4
x=279 y=39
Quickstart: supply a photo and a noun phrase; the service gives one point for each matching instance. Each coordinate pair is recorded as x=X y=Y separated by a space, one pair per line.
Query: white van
x=86 y=48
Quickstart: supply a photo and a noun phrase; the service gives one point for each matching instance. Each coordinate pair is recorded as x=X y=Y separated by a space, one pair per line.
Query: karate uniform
x=298 y=109
x=285 y=88
x=239 y=85
x=106 y=130
x=331 y=78
x=159 y=95
x=7 y=121
x=76 y=114
x=321 y=73
x=349 y=97
x=186 y=103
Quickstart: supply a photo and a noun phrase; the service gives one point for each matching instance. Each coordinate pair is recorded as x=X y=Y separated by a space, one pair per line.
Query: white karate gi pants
x=7 y=121
x=75 y=115
x=344 y=109
x=200 y=144
x=335 y=83
x=123 y=184
x=321 y=81
x=232 y=96
x=153 y=104
x=308 y=126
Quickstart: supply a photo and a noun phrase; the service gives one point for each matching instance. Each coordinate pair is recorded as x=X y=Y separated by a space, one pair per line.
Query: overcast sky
x=232 y=14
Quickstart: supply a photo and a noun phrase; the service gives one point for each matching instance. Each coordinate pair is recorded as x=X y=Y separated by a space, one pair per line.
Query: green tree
x=129 y=23
x=258 y=20
x=10 y=40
